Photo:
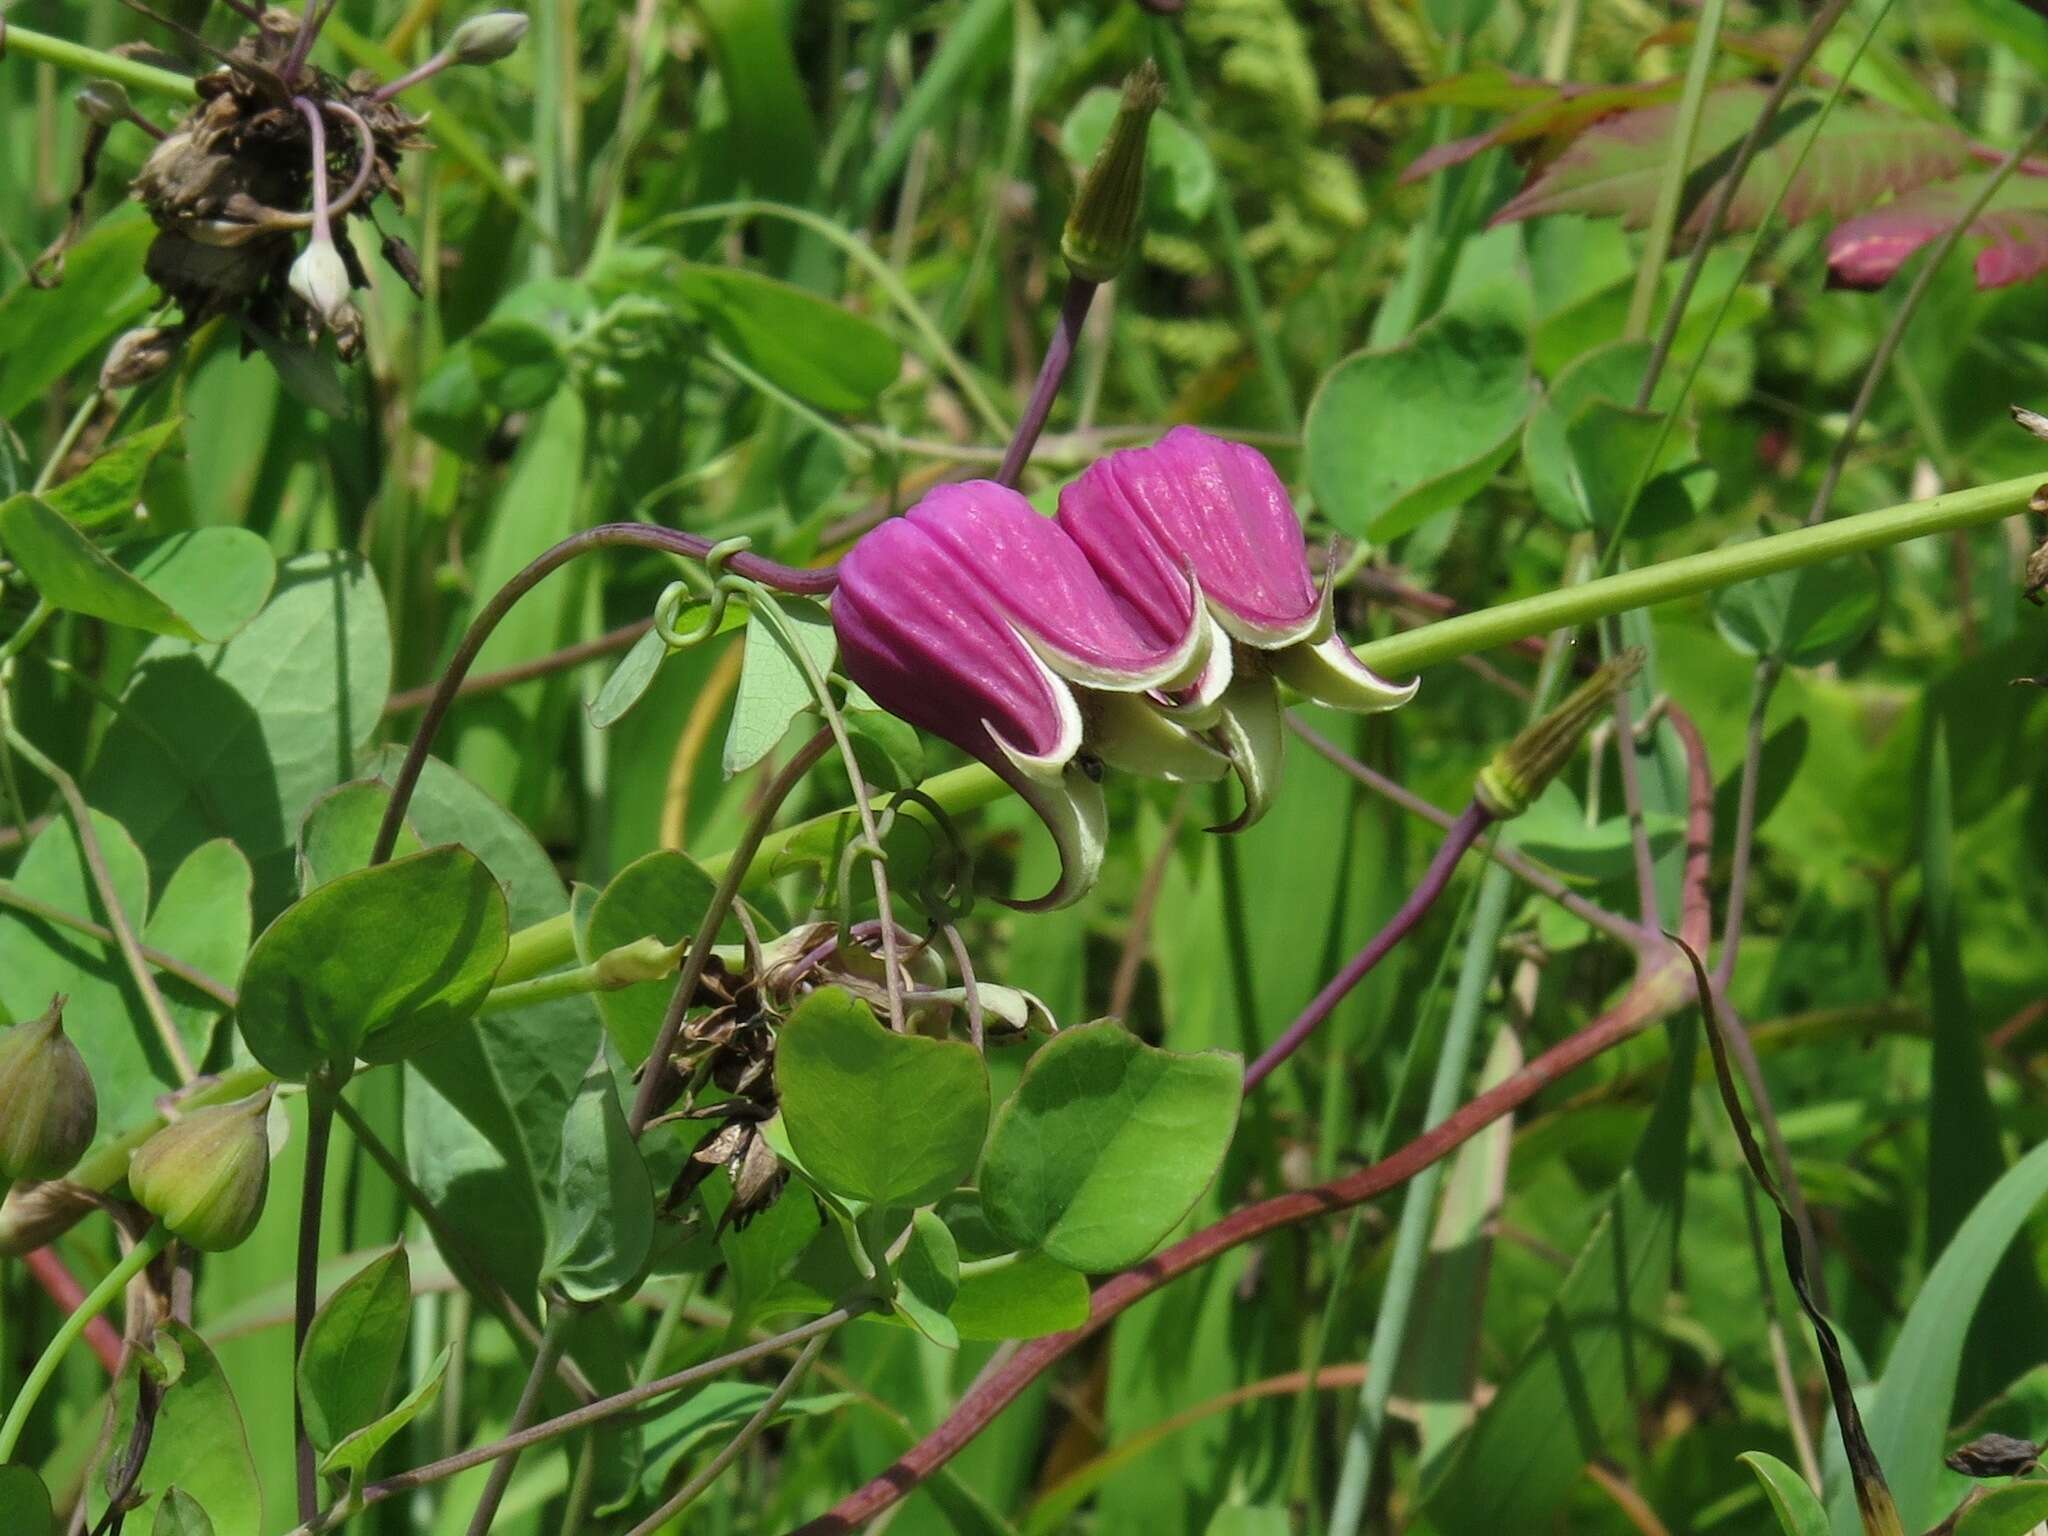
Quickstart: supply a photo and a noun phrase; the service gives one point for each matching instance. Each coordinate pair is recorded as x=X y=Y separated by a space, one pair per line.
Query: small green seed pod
x=1103 y=226
x=487 y=38
x=48 y=1110
x=205 y=1176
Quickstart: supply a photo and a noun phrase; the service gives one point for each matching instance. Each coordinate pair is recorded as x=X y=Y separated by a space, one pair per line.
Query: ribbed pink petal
x=926 y=643
x=1193 y=500
x=1041 y=581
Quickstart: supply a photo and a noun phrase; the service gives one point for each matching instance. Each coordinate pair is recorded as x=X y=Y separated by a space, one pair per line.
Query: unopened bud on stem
x=104 y=102
x=48 y=1110
x=205 y=1176
x=1519 y=771
x=487 y=38
x=1102 y=229
x=320 y=277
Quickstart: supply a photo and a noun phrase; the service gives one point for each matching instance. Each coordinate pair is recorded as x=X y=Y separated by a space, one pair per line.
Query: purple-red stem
x=1059 y=353
x=1463 y=834
x=62 y=1287
x=306 y=1287
x=785 y=578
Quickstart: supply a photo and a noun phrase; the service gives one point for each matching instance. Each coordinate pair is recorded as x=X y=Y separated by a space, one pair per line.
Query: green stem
x=1465 y=634
x=553 y=943
x=1418 y=1206
x=100 y=1298
x=320 y=1097
x=545 y=989
x=1677 y=169
x=1230 y=236
x=66 y=54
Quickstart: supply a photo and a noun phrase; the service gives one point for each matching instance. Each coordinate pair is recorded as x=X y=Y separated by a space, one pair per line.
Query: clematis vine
x=1149 y=627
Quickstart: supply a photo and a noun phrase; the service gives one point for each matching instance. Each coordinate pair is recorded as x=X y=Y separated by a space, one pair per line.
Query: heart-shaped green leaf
x=879 y=1117
x=1398 y=435
x=1106 y=1144
x=373 y=963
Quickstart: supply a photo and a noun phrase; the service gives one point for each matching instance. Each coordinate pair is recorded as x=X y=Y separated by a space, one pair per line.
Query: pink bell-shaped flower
x=1194 y=518
x=975 y=625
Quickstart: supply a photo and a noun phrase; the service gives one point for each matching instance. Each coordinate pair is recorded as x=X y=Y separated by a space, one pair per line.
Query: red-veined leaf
x=1556 y=115
x=1865 y=151
x=1866 y=252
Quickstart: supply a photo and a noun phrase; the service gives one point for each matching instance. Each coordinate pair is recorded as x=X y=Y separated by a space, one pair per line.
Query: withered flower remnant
x=234 y=186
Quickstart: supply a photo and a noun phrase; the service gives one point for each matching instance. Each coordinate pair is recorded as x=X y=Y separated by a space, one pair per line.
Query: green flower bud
x=1520 y=771
x=1102 y=227
x=205 y=1176
x=103 y=101
x=48 y=1110
x=487 y=38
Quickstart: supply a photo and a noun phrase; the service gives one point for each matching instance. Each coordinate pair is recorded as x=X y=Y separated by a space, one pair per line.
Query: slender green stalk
x=551 y=1341
x=730 y=1453
x=97 y=1301
x=552 y=943
x=1416 y=649
x=1418 y=1206
x=1677 y=169
x=545 y=989
x=1237 y=260
x=66 y=54
x=320 y=1097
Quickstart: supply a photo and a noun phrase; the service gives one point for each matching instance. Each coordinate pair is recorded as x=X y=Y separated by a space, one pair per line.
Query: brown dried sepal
x=1994 y=1456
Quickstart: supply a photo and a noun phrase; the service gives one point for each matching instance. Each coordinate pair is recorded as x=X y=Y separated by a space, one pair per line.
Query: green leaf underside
x=354 y=1454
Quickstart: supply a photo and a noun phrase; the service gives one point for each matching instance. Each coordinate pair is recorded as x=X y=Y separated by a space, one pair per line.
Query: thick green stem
x=66 y=54
x=1449 y=639
x=552 y=943
x=99 y=1299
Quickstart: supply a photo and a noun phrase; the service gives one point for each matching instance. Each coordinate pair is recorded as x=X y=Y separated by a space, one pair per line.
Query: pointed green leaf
x=354 y=1348
x=203 y=585
x=602 y=1223
x=340 y=830
x=928 y=1280
x=819 y=351
x=354 y=1454
x=180 y=1515
x=773 y=688
x=109 y=487
x=1799 y=1512
x=629 y=681
x=1106 y=1144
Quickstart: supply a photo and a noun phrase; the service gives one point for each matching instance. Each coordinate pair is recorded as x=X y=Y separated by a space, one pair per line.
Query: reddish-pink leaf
x=1867 y=252
x=1865 y=151
x=1562 y=112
